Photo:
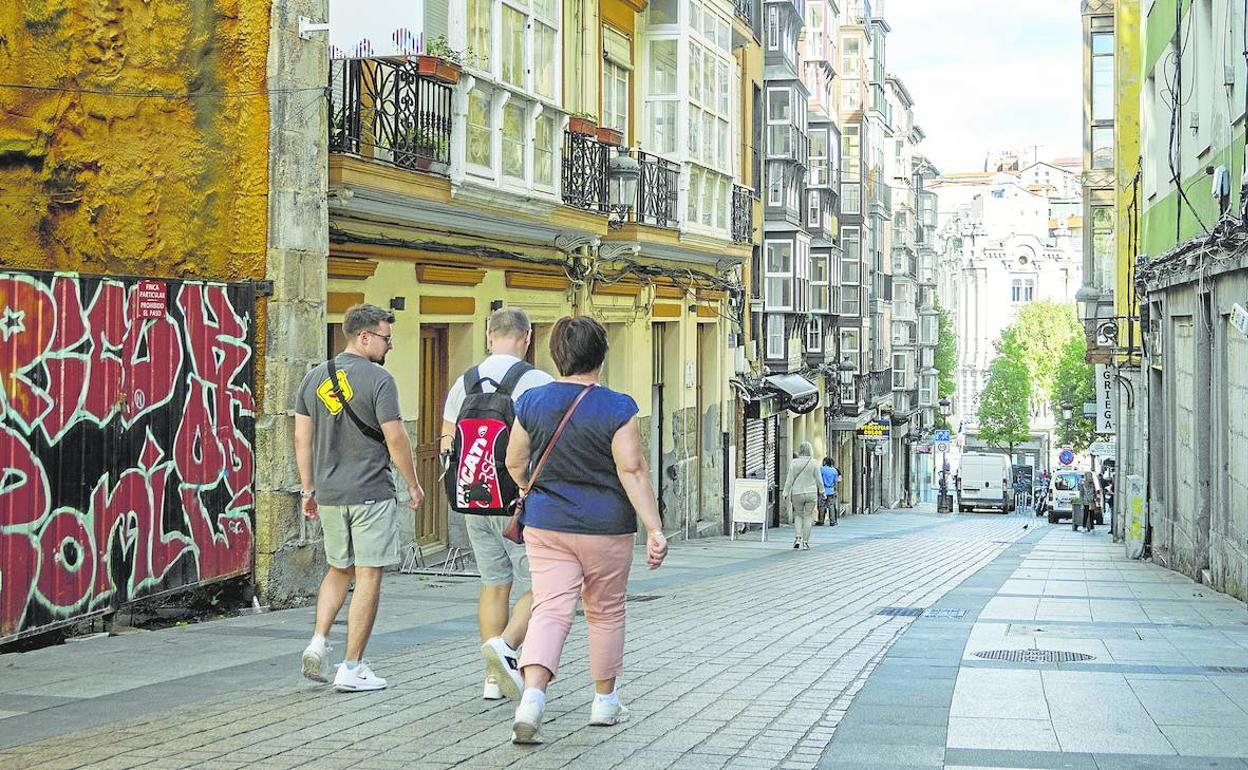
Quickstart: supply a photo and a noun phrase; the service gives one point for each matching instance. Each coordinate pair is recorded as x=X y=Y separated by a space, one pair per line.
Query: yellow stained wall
x=107 y=183
x=1128 y=41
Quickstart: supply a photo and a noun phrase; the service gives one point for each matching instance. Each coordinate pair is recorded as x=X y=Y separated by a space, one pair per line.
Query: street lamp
x=1067 y=411
x=847 y=371
x=623 y=172
x=944 y=502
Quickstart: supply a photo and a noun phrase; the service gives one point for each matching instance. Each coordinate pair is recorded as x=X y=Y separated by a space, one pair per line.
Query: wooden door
x=431 y=523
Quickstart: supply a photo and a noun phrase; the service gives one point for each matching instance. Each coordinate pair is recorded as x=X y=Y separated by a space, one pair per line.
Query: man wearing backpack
x=348 y=431
x=476 y=424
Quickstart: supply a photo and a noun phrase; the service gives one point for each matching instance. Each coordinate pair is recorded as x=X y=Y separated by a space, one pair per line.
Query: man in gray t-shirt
x=346 y=437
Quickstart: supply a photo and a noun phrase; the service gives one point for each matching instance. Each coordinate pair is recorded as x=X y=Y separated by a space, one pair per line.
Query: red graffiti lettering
x=224 y=545
x=27 y=325
x=67 y=561
x=23 y=482
x=17 y=578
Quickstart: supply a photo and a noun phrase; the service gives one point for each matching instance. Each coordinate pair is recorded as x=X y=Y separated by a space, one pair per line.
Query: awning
x=792 y=386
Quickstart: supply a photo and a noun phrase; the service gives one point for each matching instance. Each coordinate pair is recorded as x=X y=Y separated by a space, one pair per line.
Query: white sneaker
x=526 y=728
x=360 y=679
x=314 y=657
x=805 y=546
x=606 y=714
x=503 y=665
x=492 y=691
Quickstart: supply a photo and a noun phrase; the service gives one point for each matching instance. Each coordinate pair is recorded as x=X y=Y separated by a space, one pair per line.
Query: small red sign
x=151 y=299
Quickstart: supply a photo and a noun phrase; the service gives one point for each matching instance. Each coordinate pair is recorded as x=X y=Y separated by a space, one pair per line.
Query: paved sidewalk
x=1164 y=684
x=739 y=655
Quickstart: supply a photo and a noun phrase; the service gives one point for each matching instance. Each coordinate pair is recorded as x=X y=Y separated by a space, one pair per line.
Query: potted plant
x=611 y=136
x=583 y=123
x=440 y=62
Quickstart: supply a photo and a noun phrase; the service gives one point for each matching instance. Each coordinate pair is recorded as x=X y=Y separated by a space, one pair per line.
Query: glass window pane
x=695 y=133
x=479 y=32
x=479 y=127
x=778 y=106
x=1103 y=147
x=663 y=126
x=544 y=55
x=513 y=139
x=695 y=73
x=544 y=151
x=1103 y=88
x=1103 y=42
x=513 y=46
x=663 y=67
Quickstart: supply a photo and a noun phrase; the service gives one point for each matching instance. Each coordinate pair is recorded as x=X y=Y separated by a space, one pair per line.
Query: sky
x=990 y=73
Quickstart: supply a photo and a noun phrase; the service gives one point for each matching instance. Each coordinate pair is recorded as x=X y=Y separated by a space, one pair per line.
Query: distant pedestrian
x=586 y=491
x=1091 y=500
x=476 y=424
x=348 y=430
x=828 y=508
x=801 y=491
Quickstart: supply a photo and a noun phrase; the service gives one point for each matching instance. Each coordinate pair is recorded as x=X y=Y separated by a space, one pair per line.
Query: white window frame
x=814 y=334
x=819 y=288
x=770 y=275
x=1022 y=289
x=615 y=106
x=775 y=336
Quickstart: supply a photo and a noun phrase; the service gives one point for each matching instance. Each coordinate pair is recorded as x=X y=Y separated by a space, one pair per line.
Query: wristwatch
x=307 y=494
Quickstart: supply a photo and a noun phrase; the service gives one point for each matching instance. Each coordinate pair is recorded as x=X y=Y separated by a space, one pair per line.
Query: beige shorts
x=364 y=535
x=499 y=560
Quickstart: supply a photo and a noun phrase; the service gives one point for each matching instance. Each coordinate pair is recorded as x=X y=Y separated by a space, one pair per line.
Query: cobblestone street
x=741 y=655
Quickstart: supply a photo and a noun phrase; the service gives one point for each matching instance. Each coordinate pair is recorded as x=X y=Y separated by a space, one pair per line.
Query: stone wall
x=289 y=559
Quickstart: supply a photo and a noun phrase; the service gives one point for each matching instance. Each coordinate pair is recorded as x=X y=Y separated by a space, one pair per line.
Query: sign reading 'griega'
x=874 y=431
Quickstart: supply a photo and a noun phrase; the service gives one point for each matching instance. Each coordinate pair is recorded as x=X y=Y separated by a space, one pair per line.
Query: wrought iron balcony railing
x=658 y=191
x=742 y=214
x=744 y=10
x=585 y=172
x=385 y=110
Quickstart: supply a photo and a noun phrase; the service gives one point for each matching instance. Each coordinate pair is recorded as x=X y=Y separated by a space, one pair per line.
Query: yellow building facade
x=489 y=209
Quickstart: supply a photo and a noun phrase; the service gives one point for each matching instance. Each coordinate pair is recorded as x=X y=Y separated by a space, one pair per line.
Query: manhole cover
x=1034 y=656
x=945 y=613
x=901 y=612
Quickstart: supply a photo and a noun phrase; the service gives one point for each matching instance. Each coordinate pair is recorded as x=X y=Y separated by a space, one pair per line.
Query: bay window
x=778 y=267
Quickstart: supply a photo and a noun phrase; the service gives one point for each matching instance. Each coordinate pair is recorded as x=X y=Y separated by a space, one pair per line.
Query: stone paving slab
x=748 y=660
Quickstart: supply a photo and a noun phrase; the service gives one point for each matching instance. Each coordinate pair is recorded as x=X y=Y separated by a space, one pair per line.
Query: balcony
x=658 y=191
x=788 y=143
x=384 y=110
x=742 y=214
x=585 y=172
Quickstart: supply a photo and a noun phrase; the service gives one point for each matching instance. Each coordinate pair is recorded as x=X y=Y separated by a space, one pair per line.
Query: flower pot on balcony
x=610 y=136
x=436 y=68
x=583 y=126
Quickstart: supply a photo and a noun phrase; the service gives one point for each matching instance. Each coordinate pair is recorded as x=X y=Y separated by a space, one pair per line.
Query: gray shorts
x=499 y=560
x=364 y=535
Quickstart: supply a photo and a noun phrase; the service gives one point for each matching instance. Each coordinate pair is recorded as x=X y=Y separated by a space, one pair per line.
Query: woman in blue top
x=580 y=518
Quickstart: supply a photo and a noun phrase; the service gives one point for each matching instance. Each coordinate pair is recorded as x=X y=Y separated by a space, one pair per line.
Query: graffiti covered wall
x=127 y=421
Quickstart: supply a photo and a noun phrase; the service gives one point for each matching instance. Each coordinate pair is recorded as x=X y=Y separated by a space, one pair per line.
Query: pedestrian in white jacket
x=801 y=492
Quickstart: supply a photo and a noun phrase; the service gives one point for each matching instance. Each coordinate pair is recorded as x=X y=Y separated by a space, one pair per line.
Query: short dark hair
x=827 y=461
x=364 y=318
x=578 y=344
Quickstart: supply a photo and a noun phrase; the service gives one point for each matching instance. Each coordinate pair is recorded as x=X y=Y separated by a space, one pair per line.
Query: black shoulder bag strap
x=513 y=376
x=367 y=430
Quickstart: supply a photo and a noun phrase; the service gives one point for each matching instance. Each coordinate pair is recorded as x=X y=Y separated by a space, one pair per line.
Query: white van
x=985 y=479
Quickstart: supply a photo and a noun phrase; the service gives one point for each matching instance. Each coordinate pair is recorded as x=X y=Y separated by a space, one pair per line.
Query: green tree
x=1043 y=330
x=945 y=360
x=1004 y=405
x=1074 y=385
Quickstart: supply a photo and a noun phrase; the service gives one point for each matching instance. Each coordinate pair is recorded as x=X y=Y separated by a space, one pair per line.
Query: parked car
x=1062 y=488
x=985 y=478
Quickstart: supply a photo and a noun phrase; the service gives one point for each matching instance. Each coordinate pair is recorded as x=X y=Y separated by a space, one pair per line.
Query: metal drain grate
x=1034 y=655
x=901 y=612
x=945 y=613
x=1227 y=669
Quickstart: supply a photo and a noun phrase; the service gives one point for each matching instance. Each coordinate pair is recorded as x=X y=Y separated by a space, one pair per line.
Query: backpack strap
x=364 y=428
x=513 y=376
x=472 y=381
